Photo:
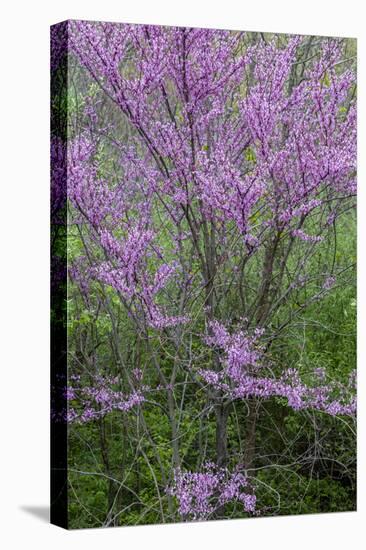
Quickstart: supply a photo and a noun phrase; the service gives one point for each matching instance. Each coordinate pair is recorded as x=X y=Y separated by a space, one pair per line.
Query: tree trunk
x=222 y=413
x=251 y=424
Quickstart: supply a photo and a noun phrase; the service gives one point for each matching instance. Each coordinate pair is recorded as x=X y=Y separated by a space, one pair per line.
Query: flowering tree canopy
x=208 y=175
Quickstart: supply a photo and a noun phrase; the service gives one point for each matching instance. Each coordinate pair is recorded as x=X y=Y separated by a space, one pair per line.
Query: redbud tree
x=207 y=176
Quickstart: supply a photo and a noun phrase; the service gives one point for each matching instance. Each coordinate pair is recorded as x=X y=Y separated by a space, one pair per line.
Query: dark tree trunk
x=250 y=436
x=222 y=413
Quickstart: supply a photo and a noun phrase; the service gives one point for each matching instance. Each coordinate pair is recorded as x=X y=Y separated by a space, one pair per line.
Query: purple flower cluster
x=91 y=402
x=126 y=256
x=307 y=238
x=240 y=377
x=201 y=494
x=298 y=143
